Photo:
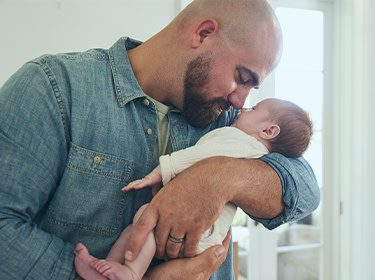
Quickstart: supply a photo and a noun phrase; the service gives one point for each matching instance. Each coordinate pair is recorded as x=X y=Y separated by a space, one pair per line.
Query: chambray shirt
x=74 y=129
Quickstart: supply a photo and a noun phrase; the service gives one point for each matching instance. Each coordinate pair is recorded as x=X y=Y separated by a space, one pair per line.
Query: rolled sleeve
x=301 y=193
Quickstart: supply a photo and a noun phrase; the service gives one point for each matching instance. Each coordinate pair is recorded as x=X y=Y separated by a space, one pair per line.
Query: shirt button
x=146 y=102
x=97 y=160
x=149 y=131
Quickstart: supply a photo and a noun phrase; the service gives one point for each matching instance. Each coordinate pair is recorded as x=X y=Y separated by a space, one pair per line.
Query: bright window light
x=299 y=76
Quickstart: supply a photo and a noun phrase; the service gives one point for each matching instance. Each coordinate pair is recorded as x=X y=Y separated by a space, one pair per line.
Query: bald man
x=76 y=128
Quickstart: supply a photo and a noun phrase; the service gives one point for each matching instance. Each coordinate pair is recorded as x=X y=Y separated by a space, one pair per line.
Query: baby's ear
x=270 y=132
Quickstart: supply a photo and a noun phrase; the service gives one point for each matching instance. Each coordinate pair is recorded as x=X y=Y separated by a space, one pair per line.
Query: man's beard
x=197 y=110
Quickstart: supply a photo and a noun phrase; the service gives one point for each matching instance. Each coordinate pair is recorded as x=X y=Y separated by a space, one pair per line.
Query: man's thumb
x=219 y=251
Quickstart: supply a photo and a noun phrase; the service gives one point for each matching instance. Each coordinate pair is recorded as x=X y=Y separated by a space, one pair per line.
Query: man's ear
x=204 y=29
x=270 y=132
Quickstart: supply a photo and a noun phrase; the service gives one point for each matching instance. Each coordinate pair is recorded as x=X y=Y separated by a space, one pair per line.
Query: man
x=76 y=128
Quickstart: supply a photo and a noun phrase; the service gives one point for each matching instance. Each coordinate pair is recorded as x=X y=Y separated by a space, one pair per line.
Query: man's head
x=234 y=45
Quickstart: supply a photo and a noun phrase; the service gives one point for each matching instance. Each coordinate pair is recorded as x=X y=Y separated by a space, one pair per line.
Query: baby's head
x=281 y=125
x=296 y=128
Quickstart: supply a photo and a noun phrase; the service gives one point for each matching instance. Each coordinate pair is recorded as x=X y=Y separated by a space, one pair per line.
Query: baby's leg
x=117 y=253
x=82 y=263
x=145 y=256
x=113 y=267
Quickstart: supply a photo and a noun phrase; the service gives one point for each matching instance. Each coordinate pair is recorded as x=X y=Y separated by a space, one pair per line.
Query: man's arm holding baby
x=193 y=200
x=273 y=191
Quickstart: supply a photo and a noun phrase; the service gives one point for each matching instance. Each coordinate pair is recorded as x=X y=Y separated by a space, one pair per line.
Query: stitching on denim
x=79 y=55
x=126 y=169
x=56 y=91
x=97 y=172
x=104 y=231
x=112 y=63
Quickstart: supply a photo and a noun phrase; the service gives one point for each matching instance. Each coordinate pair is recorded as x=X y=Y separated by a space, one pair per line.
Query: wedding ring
x=175 y=240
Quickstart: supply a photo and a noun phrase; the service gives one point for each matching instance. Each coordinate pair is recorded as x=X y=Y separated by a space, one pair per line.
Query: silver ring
x=176 y=240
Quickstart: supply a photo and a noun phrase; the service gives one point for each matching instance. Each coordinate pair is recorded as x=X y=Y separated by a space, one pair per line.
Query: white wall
x=30 y=28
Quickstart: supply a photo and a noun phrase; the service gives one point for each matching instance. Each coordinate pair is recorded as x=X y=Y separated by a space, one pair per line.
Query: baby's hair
x=296 y=129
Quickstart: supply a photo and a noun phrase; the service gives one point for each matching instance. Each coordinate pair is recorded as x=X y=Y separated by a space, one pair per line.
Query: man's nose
x=238 y=98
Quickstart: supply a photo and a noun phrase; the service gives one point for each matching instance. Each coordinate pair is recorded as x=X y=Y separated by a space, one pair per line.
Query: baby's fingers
x=137 y=184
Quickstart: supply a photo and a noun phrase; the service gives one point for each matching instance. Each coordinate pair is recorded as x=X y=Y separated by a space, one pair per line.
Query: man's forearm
x=249 y=183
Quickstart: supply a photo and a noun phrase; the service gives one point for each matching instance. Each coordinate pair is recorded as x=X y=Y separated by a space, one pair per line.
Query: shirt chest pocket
x=89 y=196
x=99 y=164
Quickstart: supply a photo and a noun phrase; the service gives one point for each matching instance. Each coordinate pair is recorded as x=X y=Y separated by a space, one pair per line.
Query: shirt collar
x=126 y=84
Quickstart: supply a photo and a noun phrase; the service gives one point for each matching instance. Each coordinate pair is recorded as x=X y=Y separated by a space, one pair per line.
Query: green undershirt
x=163 y=141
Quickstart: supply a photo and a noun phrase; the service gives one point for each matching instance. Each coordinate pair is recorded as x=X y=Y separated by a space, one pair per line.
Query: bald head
x=250 y=23
x=229 y=13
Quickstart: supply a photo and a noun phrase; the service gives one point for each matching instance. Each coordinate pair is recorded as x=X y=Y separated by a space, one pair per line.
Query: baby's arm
x=153 y=180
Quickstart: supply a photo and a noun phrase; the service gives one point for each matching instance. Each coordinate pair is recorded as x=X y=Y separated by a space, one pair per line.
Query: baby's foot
x=82 y=264
x=114 y=270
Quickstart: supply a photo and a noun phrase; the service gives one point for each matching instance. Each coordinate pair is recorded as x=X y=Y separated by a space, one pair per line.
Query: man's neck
x=158 y=76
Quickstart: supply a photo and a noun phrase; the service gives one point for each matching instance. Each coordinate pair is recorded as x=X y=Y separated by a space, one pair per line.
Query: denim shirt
x=74 y=129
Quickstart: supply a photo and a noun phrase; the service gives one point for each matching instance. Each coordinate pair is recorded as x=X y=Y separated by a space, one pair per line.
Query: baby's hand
x=137 y=184
x=153 y=180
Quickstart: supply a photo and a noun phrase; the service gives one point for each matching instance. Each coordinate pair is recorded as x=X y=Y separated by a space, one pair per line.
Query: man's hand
x=184 y=209
x=198 y=268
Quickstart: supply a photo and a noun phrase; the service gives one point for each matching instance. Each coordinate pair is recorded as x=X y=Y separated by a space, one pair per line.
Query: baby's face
x=254 y=120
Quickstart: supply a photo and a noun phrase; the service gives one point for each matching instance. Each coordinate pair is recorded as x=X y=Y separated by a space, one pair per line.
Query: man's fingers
x=212 y=258
x=161 y=237
x=198 y=268
x=141 y=229
x=216 y=255
x=191 y=244
x=174 y=244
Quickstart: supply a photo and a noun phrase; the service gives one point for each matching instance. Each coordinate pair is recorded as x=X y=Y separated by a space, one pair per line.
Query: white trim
x=262 y=256
x=330 y=260
x=293 y=248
